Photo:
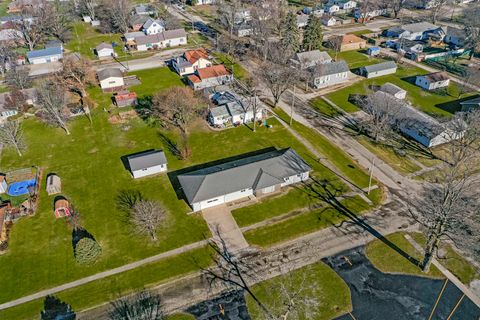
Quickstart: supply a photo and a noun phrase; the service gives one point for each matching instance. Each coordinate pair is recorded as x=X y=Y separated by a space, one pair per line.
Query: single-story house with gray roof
x=147 y=163
x=310 y=59
x=379 y=69
x=470 y=104
x=47 y=55
x=393 y=90
x=237 y=179
x=328 y=74
x=110 y=78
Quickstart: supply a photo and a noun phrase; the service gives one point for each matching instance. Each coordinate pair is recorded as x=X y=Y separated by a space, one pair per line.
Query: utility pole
x=371 y=175
x=292 y=107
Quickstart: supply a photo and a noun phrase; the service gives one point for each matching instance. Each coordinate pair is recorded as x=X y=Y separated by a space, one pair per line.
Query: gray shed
x=54 y=184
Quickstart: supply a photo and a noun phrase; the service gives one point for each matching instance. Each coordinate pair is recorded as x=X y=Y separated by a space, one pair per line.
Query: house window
x=210 y=201
x=243 y=190
x=111 y=82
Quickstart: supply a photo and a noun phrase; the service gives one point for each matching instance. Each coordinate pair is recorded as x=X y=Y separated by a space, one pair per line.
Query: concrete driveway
x=222 y=224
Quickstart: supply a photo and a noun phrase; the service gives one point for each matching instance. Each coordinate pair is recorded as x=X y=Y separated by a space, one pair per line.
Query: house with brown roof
x=348 y=42
x=433 y=81
x=190 y=61
x=210 y=77
x=125 y=98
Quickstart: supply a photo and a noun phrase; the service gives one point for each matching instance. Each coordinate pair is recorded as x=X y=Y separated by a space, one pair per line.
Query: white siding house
x=378 y=70
x=166 y=39
x=147 y=163
x=104 y=50
x=433 y=81
x=252 y=176
x=191 y=61
x=393 y=90
x=153 y=26
x=47 y=55
x=110 y=78
x=328 y=74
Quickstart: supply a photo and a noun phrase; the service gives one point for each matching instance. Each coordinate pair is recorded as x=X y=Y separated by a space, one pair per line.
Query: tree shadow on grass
x=171 y=145
x=322 y=191
x=56 y=309
x=78 y=234
x=126 y=200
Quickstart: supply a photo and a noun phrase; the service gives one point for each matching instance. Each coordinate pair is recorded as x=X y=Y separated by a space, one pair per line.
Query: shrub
x=87 y=251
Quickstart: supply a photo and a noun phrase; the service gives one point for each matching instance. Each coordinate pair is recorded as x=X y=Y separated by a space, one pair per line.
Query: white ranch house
x=47 y=55
x=433 y=81
x=110 y=78
x=379 y=69
x=104 y=50
x=147 y=163
x=328 y=74
x=253 y=176
x=166 y=39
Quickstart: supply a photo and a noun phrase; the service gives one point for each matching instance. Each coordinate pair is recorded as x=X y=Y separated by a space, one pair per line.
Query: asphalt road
x=379 y=296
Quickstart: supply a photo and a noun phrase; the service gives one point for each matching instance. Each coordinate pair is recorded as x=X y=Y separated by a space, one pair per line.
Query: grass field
x=85 y=38
x=304 y=223
x=388 y=260
x=356 y=59
x=154 y=80
x=317 y=282
x=433 y=103
x=89 y=163
x=3 y=7
x=238 y=71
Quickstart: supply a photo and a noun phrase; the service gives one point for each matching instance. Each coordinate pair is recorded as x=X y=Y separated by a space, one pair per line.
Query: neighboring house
x=393 y=90
x=110 y=79
x=166 y=39
x=328 y=74
x=147 y=163
x=405 y=46
x=455 y=36
x=348 y=42
x=369 y=13
x=30 y=99
x=104 y=50
x=190 y=61
x=344 y=4
x=416 y=31
x=137 y=22
x=10 y=35
x=54 y=43
x=47 y=55
x=373 y=51
x=145 y=10
x=242 y=15
x=331 y=9
x=309 y=59
x=153 y=26
x=379 y=69
x=472 y=104
x=209 y=77
x=251 y=176
x=201 y=2
x=130 y=37
x=433 y=81
x=243 y=29
x=415 y=124
x=125 y=98
x=328 y=20
x=302 y=20
x=232 y=110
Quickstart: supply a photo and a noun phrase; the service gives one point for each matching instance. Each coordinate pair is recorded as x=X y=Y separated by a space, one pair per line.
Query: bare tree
x=448 y=207
x=52 y=105
x=18 y=77
x=58 y=20
x=147 y=215
x=277 y=78
x=335 y=42
x=437 y=9
x=15 y=100
x=8 y=57
x=227 y=14
x=141 y=306
x=11 y=134
x=472 y=30
x=89 y=7
x=31 y=26
x=76 y=75
x=396 y=6
x=262 y=29
x=120 y=14
x=177 y=107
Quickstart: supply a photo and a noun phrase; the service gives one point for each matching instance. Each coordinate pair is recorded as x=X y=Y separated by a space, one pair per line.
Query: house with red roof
x=125 y=98
x=190 y=61
x=210 y=77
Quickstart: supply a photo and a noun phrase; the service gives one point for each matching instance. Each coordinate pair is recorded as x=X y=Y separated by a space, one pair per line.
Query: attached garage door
x=212 y=202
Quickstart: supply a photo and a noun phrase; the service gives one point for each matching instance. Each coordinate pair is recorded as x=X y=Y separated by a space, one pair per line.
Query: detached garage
x=147 y=163
x=47 y=55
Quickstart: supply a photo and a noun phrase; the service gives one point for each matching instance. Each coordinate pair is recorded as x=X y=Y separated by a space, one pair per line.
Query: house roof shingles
x=108 y=73
x=209 y=72
x=380 y=66
x=332 y=68
x=48 y=52
x=194 y=55
x=436 y=76
x=256 y=172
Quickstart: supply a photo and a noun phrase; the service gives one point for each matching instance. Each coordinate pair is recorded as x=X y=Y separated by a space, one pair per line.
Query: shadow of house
x=455 y=106
x=173 y=175
x=55 y=309
x=410 y=80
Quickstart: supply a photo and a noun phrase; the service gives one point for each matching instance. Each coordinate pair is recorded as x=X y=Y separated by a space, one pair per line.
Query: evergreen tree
x=313 y=37
x=291 y=35
x=87 y=250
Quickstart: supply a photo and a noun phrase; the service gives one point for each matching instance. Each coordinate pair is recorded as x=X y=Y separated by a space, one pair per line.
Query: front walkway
x=222 y=225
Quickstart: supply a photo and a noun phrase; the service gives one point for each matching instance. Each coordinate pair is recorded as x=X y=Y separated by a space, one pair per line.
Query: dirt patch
x=123 y=117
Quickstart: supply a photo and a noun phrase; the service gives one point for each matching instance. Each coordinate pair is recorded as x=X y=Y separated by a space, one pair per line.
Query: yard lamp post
x=293 y=106
x=371 y=175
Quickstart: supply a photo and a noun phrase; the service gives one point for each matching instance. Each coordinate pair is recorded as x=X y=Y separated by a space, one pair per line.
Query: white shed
x=54 y=184
x=433 y=81
x=147 y=163
x=393 y=90
x=104 y=50
x=3 y=184
x=379 y=69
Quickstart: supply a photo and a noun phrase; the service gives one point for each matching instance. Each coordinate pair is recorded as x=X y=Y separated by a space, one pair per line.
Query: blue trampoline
x=21 y=188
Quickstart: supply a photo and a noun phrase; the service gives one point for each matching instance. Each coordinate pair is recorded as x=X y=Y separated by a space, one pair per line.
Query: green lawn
x=154 y=80
x=433 y=103
x=89 y=163
x=388 y=260
x=356 y=59
x=114 y=287
x=318 y=281
x=453 y=261
x=238 y=71
x=85 y=38
x=3 y=7
x=304 y=223
x=324 y=108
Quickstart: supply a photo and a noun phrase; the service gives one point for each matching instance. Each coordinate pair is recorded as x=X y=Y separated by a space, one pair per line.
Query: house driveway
x=221 y=223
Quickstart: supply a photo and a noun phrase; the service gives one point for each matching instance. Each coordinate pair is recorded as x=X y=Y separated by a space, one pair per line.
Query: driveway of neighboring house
x=221 y=224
